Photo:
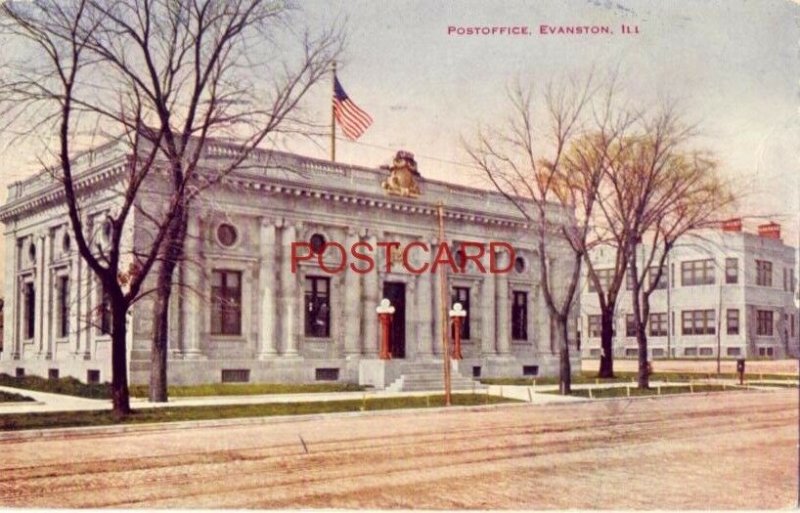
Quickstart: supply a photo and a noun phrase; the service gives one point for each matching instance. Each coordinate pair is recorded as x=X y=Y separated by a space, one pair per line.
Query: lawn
x=177 y=414
x=249 y=389
x=586 y=378
x=600 y=393
x=71 y=386
x=8 y=397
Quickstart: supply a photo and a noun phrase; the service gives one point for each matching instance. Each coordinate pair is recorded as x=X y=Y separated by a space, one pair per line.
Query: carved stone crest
x=402 y=176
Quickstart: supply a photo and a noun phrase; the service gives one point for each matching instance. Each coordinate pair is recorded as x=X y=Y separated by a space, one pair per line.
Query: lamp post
x=457 y=314
x=385 y=311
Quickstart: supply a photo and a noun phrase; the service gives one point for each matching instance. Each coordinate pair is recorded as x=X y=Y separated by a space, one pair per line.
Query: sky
x=733 y=65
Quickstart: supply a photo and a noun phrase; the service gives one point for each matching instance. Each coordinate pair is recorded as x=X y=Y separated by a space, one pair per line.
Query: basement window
x=19 y=372
x=476 y=371
x=530 y=370
x=326 y=374
x=52 y=373
x=93 y=376
x=235 y=375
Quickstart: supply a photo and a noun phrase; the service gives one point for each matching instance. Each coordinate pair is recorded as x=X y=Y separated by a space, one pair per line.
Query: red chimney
x=732 y=225
x=770 y=231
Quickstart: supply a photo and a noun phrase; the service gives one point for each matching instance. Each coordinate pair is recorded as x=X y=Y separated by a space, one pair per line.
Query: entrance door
x=395 y=292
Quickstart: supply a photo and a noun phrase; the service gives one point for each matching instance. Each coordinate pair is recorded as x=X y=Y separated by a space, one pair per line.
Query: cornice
x=54 y=194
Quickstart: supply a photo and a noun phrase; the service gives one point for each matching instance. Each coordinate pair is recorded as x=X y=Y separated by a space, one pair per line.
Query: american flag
x=354 y=121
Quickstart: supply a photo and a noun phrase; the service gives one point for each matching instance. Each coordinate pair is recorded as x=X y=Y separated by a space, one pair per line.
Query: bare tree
x=663 y=189
x=534 y=168
x=165 y=76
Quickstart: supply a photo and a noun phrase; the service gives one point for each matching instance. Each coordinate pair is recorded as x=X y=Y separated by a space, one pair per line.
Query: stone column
x=371 y=300
x=424 y=316
x=488 y=331
x=194 y=309
x=438 y=347
x=42 y=293
x=501 y=295
x=74 y=298
x=10 y=342
x=266 y=288
x=352 y=310
x=289 y=292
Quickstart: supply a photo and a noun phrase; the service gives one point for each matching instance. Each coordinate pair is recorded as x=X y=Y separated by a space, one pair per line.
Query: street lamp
x=457 y=314
x=385 y=311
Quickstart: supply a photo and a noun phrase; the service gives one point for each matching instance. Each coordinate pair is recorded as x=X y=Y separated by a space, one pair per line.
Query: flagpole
x=333 y=116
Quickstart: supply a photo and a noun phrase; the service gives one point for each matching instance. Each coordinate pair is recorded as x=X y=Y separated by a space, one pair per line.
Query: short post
x=385 y=311
x=740 y=370
x=457 y=314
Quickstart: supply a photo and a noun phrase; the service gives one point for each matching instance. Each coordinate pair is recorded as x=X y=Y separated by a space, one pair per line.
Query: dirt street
x=730 y=450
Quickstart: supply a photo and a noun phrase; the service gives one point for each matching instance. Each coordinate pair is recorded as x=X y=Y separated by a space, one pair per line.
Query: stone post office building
x=239 y=313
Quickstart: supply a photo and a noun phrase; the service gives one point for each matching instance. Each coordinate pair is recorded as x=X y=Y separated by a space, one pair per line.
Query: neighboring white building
x=248 y=316
x=725 y=291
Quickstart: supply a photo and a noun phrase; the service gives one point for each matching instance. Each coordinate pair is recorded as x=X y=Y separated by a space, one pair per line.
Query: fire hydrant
x=457 y=314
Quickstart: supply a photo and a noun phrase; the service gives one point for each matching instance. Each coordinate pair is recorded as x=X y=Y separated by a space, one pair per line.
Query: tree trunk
x=607 y=343
x=644 y=374
x=160 y=347
x=565 y=368
x=119 y=360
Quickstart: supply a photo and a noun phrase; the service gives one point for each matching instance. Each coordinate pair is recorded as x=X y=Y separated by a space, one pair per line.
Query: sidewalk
x=539 y=394
x=47 y=402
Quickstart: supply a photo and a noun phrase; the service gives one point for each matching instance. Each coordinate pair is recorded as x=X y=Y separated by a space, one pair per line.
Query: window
x=594 y=353
x=630 y=326
x=66 y=243
x=763 y=273
x=629 y=280
x=594 y=326
x=461 y=295
x=706 y=351
x=731 y=270
x=658 y=325
x=326 y=374
x=235 y=375
x=519 y=316
x=227 y=235
x=698 y=322
x=604 y=275
x=62 y=306
x=793 y=326
x=697 y=272
x=651 y=278
x=766 y=351
x=519 y=264
x=105 y=312
x=93 y=376
x=530 y=370
x=226 y=302
x=690 y=351
x=658 y=352
x=732 y=321
x=318 y=307
x=317 y=243
x=29 y=300
x=733 y=351
x=631 y=352
x=764 y=325
x=785 y=276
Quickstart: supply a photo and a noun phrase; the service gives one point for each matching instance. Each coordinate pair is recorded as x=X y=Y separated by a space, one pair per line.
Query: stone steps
x=429 y=376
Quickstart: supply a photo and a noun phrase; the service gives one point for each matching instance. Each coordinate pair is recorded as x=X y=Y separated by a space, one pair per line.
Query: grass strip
x=67 y=386
x=601 y=393
x=177 y=414
x=588 y=378
x=8 y=397
x=71 y=386
x=214 y=389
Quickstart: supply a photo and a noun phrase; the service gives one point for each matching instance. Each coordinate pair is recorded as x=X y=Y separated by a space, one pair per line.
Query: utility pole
x=443 y=313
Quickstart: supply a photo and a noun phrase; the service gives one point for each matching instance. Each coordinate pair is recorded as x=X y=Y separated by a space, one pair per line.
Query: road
x=721 y=451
